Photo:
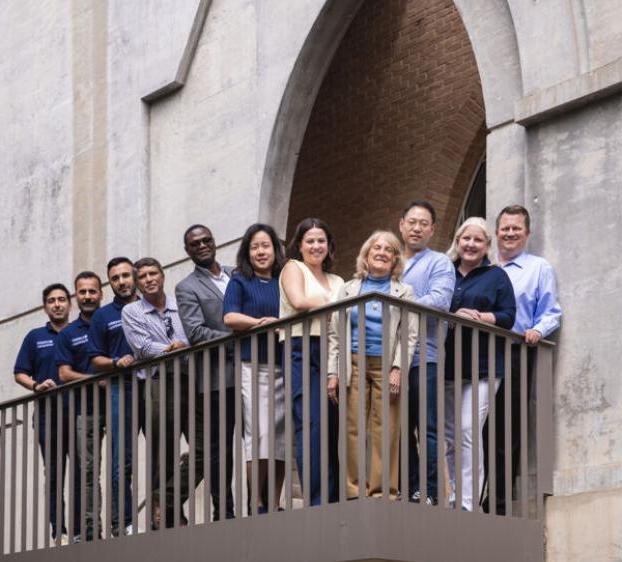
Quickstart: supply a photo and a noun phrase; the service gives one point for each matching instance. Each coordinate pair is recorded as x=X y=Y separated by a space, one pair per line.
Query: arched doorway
x=399 y=116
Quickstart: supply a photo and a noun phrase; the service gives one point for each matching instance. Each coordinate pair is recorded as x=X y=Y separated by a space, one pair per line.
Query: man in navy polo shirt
x=109 y=351
x=35 y=369
x=72 y=361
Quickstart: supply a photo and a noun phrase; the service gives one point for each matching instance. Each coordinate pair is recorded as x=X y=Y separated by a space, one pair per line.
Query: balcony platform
x=367 y=529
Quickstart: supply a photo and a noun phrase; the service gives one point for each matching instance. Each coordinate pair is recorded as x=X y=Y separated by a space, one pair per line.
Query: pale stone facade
x=123 y=122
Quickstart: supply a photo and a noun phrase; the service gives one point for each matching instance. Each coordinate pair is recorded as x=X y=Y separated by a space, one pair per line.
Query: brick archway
x=400 y=115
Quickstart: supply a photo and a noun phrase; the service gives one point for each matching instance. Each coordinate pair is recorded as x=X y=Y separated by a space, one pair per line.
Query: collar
x=519 y=260
x=50 y=328
x=484 y=266
x=170 y=305
x=208 y=273
x=82 y=322
x=414 y=259
x=118 y=303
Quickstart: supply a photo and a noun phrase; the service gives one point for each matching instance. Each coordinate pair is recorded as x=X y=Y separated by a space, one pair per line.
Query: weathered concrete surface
x=574 y=172
x=585 y=527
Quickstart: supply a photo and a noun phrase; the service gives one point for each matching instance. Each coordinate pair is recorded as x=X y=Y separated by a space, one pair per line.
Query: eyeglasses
x=168 y=325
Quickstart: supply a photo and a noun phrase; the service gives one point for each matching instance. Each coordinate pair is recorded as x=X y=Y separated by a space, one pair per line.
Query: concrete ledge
x=570 y=94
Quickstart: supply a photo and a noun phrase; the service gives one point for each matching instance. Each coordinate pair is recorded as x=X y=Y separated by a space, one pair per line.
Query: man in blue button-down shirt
x=537 y=316
x=432 y=277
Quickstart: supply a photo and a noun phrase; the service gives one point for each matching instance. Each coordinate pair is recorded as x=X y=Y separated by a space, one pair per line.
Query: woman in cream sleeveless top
x=305 y=284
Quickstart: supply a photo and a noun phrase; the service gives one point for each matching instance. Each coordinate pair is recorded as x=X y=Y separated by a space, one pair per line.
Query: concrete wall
x=90 y=170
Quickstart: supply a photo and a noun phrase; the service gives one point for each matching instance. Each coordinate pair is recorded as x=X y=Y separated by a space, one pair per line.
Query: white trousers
x=263 y=412
x=466 y=424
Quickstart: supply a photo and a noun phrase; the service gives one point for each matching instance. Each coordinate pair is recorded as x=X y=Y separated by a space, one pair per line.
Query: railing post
x=343 y=406
x=386 y=368
x=362 y=402
x=287 y=374
x=440 y=413
x=524 y=450
x=324 y=411
x=423 y=408
x=507 y=425
x=544 y=426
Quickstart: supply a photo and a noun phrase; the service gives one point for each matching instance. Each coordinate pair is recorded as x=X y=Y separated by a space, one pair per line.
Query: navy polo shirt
x=255 y=297
x=487 y=288
x=106 y=335
x=72 y=345
x=36 y=355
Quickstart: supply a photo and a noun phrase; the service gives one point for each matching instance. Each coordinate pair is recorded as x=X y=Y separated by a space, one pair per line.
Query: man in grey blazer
x=199 y=299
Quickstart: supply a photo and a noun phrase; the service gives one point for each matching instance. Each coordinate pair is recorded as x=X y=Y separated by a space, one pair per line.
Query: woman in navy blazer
x=484 y=293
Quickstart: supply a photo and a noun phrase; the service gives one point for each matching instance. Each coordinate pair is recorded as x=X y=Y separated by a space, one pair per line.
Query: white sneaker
x=129 y=530
x=76 y=539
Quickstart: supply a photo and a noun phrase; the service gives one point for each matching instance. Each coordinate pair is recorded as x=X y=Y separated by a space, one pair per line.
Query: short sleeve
x=62 y=353
x=234 y=296
x=97 y=331
x=25 y=362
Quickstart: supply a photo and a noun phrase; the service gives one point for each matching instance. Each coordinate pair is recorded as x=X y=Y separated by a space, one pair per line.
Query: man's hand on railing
x=532 y=337
x=174 y=346
x=266 y=320
x=124 y=361
x=333 y=388
x=47 y=384
x=395 y=379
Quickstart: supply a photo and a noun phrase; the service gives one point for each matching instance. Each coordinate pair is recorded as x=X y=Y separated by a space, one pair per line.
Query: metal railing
x=27 y=495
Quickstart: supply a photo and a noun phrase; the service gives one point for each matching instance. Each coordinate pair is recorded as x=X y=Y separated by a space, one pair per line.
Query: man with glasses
x=153 y=328
x=200 y=296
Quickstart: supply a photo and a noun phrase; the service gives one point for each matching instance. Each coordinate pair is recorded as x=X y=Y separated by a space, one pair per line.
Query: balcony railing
x=25 y=485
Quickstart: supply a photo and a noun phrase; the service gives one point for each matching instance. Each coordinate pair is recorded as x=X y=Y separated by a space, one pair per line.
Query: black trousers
x=515 y=416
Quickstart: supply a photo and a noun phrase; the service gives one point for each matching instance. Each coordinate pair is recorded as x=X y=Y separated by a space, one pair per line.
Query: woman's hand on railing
x=47 y=384
x=395 y=380
x=333 y=388
x=266 y=320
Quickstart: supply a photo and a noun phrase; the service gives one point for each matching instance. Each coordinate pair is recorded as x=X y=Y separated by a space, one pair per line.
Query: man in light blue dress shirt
x=537 y=316
x=432 y=277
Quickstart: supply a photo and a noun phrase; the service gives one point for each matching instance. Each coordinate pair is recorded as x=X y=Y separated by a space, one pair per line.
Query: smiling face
x=56 y=306
x=381 y=257
x=122 y=282
x=150 y=281
x=416 y=228
x=314 y=246
x=261 y=254
x=201 y=247
x=88 y=295
x=472 y=246
x=512 y=235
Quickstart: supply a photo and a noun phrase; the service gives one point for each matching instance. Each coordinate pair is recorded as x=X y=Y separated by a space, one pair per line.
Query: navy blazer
x=487 y=289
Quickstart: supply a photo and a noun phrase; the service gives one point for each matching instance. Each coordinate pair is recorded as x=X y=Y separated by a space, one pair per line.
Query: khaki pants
x=373 y=411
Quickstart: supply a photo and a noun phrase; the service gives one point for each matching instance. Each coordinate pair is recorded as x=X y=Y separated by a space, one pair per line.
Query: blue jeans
x=127 y=458
x=432 y=435
x=315 y=422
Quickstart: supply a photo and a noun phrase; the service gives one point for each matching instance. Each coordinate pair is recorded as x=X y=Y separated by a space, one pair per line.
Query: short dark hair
x=55 y=287
x=424 y=205
x=243 y=262
x=514 y=210
x=117 y=261
x=191 y=228
x=87 y=275
x=293 y=250
x=147 y=262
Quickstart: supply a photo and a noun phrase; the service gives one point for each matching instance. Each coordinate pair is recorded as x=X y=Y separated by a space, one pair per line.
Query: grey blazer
x=200 y=308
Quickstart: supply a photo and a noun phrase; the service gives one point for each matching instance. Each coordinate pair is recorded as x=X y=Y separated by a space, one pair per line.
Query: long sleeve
x=192 y=318
x=441 y=283
x=505 y=305
x=547 y=315
x=138 y=336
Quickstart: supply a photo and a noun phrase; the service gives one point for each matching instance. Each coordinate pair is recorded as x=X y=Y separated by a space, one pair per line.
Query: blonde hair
x=471 y=221
x=362 y=269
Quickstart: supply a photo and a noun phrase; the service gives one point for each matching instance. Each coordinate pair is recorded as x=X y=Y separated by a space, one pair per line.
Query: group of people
x=515 y=290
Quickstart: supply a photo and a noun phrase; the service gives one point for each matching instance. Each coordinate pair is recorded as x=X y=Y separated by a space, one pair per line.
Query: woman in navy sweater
x=484 y=293
x=251 y=300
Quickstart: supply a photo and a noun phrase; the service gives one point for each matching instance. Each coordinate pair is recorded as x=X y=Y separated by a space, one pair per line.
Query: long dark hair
x=243 y=261
x=293 y=250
